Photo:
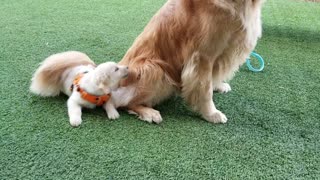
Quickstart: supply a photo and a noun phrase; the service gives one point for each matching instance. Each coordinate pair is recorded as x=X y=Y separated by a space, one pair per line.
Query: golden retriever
x=190 y=47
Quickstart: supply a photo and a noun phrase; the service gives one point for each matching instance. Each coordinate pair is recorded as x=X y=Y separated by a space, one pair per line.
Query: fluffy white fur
x=57 y=72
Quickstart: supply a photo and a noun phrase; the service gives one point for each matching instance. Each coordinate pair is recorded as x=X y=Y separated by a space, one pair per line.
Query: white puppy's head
x=108 y=75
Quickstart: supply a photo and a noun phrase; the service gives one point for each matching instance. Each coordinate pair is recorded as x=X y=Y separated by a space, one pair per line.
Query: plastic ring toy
x=259 y=58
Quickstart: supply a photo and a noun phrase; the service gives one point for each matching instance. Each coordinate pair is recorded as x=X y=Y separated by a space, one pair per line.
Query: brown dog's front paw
x=222 y=88
x=148 y=114
x=217 y=117
x=151 y=116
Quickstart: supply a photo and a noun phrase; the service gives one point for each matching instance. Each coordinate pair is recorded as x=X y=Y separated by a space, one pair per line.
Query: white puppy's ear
x=102 y=82
x=101 y=85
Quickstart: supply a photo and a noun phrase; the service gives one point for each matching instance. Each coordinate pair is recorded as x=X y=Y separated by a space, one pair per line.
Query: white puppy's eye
x=116 y=69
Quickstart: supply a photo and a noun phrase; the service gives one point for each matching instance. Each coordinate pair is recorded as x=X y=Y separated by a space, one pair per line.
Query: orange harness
x=97 y=100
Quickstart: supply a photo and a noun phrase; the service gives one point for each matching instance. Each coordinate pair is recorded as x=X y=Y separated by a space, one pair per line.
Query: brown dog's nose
x=127 y=67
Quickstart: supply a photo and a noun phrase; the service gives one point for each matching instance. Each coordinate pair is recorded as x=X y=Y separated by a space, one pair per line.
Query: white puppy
x=74 y=74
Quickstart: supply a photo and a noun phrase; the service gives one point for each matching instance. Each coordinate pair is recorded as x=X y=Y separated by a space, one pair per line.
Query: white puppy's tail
x=47 y=80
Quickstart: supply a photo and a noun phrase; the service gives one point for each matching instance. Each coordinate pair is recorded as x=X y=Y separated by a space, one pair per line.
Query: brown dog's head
x=238 y=6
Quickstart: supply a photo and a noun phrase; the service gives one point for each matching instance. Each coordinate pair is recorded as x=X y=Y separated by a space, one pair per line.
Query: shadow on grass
x=299 y=35
x=174 y=109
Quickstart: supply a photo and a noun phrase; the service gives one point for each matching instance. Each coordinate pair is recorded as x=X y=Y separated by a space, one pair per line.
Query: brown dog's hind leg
x=197 y=88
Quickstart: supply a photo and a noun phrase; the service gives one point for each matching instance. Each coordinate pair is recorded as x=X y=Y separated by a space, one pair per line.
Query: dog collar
x=97 y=100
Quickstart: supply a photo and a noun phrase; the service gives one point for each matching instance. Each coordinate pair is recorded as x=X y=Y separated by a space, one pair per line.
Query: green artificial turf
x=273 y=128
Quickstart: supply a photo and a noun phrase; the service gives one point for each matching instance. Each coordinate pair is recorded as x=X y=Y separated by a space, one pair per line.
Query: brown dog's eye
x=116 y=69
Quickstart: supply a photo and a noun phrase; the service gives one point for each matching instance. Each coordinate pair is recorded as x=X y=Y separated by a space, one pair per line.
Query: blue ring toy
x=260 y=59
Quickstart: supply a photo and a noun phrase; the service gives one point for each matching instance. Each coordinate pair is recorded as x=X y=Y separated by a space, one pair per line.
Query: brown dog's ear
x=132 y=78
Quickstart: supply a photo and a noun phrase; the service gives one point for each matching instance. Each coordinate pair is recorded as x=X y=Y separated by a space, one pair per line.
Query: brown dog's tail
x=47 y=80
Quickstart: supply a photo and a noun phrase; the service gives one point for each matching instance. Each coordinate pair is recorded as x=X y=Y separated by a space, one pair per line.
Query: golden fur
x=191 y=47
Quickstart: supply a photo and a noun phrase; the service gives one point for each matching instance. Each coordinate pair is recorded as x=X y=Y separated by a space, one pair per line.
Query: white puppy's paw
x=217 y=117
x=222 y=88
x=75 y=122
x=113 y=114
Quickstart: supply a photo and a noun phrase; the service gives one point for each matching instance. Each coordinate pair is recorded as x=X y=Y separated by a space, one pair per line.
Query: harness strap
x=97 y=100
